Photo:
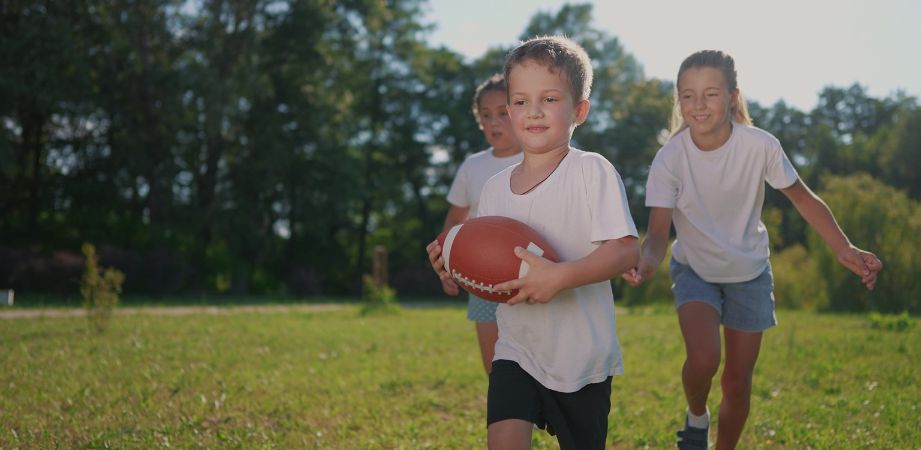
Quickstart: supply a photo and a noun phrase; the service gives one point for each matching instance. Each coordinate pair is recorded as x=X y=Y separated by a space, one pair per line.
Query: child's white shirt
x=717 y=197
x=473 y=174
x=572 y=340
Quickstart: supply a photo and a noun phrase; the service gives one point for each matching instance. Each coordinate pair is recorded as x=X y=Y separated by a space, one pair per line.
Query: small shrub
x=378 y=299
x=893 y=322
x=100 y=292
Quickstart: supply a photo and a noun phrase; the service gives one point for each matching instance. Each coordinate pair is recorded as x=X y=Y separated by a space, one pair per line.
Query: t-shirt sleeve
x=457 y=195
x=779 y=171
x=661 y=185
x=607 y=200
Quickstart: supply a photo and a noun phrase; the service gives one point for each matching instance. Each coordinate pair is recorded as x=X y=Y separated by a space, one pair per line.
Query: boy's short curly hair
x=493 y=83
x=557 y=53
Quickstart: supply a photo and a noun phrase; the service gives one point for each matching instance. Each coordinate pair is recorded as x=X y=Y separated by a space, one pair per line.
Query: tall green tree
x=900 y=151
x=44 y=86
x=140 y=94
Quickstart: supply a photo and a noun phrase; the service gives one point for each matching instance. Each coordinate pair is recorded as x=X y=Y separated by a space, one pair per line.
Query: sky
x=784 y=49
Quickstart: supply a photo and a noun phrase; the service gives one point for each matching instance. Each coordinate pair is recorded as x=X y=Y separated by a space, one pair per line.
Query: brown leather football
x=480 y=253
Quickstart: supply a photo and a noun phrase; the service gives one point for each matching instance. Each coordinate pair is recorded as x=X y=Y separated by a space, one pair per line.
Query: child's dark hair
x=725 y=64
x=493 y=83
x=557 y=53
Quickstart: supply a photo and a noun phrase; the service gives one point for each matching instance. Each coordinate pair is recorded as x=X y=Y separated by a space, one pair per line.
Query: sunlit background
x=274 y=147
x=785 y=49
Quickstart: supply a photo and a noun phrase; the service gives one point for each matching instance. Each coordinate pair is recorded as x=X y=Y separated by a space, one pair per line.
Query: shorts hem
x=480 y=310
x=750 y=329
x=511 y=416
x=481 y=320
x=680 y=303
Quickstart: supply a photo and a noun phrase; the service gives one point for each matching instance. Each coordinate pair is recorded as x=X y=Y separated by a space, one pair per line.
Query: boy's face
x=705 y=100
x=495 y=122
x=543 y=110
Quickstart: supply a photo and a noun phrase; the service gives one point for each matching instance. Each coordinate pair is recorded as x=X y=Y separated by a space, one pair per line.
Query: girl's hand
x=450 y=287
x=865 y=264
x=539 y=285
x=438 y=262
x=642 y=272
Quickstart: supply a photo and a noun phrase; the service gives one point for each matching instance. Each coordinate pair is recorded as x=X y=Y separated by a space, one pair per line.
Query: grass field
x=337 y=380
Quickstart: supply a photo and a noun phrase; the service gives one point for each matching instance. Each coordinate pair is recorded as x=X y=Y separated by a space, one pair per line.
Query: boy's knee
x=509 y=434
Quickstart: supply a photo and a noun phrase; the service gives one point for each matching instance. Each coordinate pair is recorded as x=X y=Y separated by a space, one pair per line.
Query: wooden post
x=380 y=266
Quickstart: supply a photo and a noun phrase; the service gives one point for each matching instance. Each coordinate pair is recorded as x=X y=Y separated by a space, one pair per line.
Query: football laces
x=482 y=287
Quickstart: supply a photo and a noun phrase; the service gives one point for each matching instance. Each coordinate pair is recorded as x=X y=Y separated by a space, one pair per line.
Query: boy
x=557 y=347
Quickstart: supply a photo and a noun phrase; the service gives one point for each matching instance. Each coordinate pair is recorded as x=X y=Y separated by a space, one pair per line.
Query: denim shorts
x=744 y=306
x=479 y=310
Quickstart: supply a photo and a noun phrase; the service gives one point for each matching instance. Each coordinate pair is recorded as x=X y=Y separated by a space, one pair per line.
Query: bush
x=32 y=271
x=901 y=322
x=880 y=219
x=100 y=292
x=797 y=283
x=378 y=299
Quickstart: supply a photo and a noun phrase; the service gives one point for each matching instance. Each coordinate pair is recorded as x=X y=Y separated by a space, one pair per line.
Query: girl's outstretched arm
x=654 y=246
x=819 y=216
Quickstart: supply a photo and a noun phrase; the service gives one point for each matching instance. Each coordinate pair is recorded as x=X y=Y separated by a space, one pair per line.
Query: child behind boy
x=490 y=108
x=557 y=347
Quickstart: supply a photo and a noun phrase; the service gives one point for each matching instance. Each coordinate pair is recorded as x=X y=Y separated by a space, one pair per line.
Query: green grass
x=338 y=380
x=56 y=301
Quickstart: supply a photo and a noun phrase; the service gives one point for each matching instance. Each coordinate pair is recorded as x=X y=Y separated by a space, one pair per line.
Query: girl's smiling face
x=706 y=105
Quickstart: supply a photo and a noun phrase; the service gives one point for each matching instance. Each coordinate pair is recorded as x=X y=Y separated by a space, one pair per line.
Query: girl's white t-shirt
x=717 y=197
x=572 y=340
x=473 y=174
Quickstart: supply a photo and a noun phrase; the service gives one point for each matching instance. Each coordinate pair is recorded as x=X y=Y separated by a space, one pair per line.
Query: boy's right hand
x=642 y=272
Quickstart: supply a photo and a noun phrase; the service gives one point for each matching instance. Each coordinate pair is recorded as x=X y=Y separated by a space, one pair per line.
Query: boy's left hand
x=539 y=285
x=863 y=263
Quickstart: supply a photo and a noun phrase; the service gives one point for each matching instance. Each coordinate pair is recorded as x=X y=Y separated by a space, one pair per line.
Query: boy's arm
x=654 y=246
x=819 y=216
x=545 y=278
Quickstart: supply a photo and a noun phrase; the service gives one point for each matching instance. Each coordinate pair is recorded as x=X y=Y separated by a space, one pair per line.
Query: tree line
x=265 y=147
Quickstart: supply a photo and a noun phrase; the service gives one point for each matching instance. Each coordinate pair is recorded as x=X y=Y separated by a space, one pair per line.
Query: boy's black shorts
x=578 y=419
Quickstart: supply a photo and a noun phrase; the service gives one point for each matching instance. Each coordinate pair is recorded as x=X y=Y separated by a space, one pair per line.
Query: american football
x=479 y=254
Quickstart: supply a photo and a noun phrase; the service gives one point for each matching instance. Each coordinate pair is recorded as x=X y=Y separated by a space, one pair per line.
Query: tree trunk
x=33 y=126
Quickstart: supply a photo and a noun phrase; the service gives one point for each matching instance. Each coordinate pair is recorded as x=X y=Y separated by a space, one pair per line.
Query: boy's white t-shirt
x=473 y=174
x=717 y=198
x=572 y=340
